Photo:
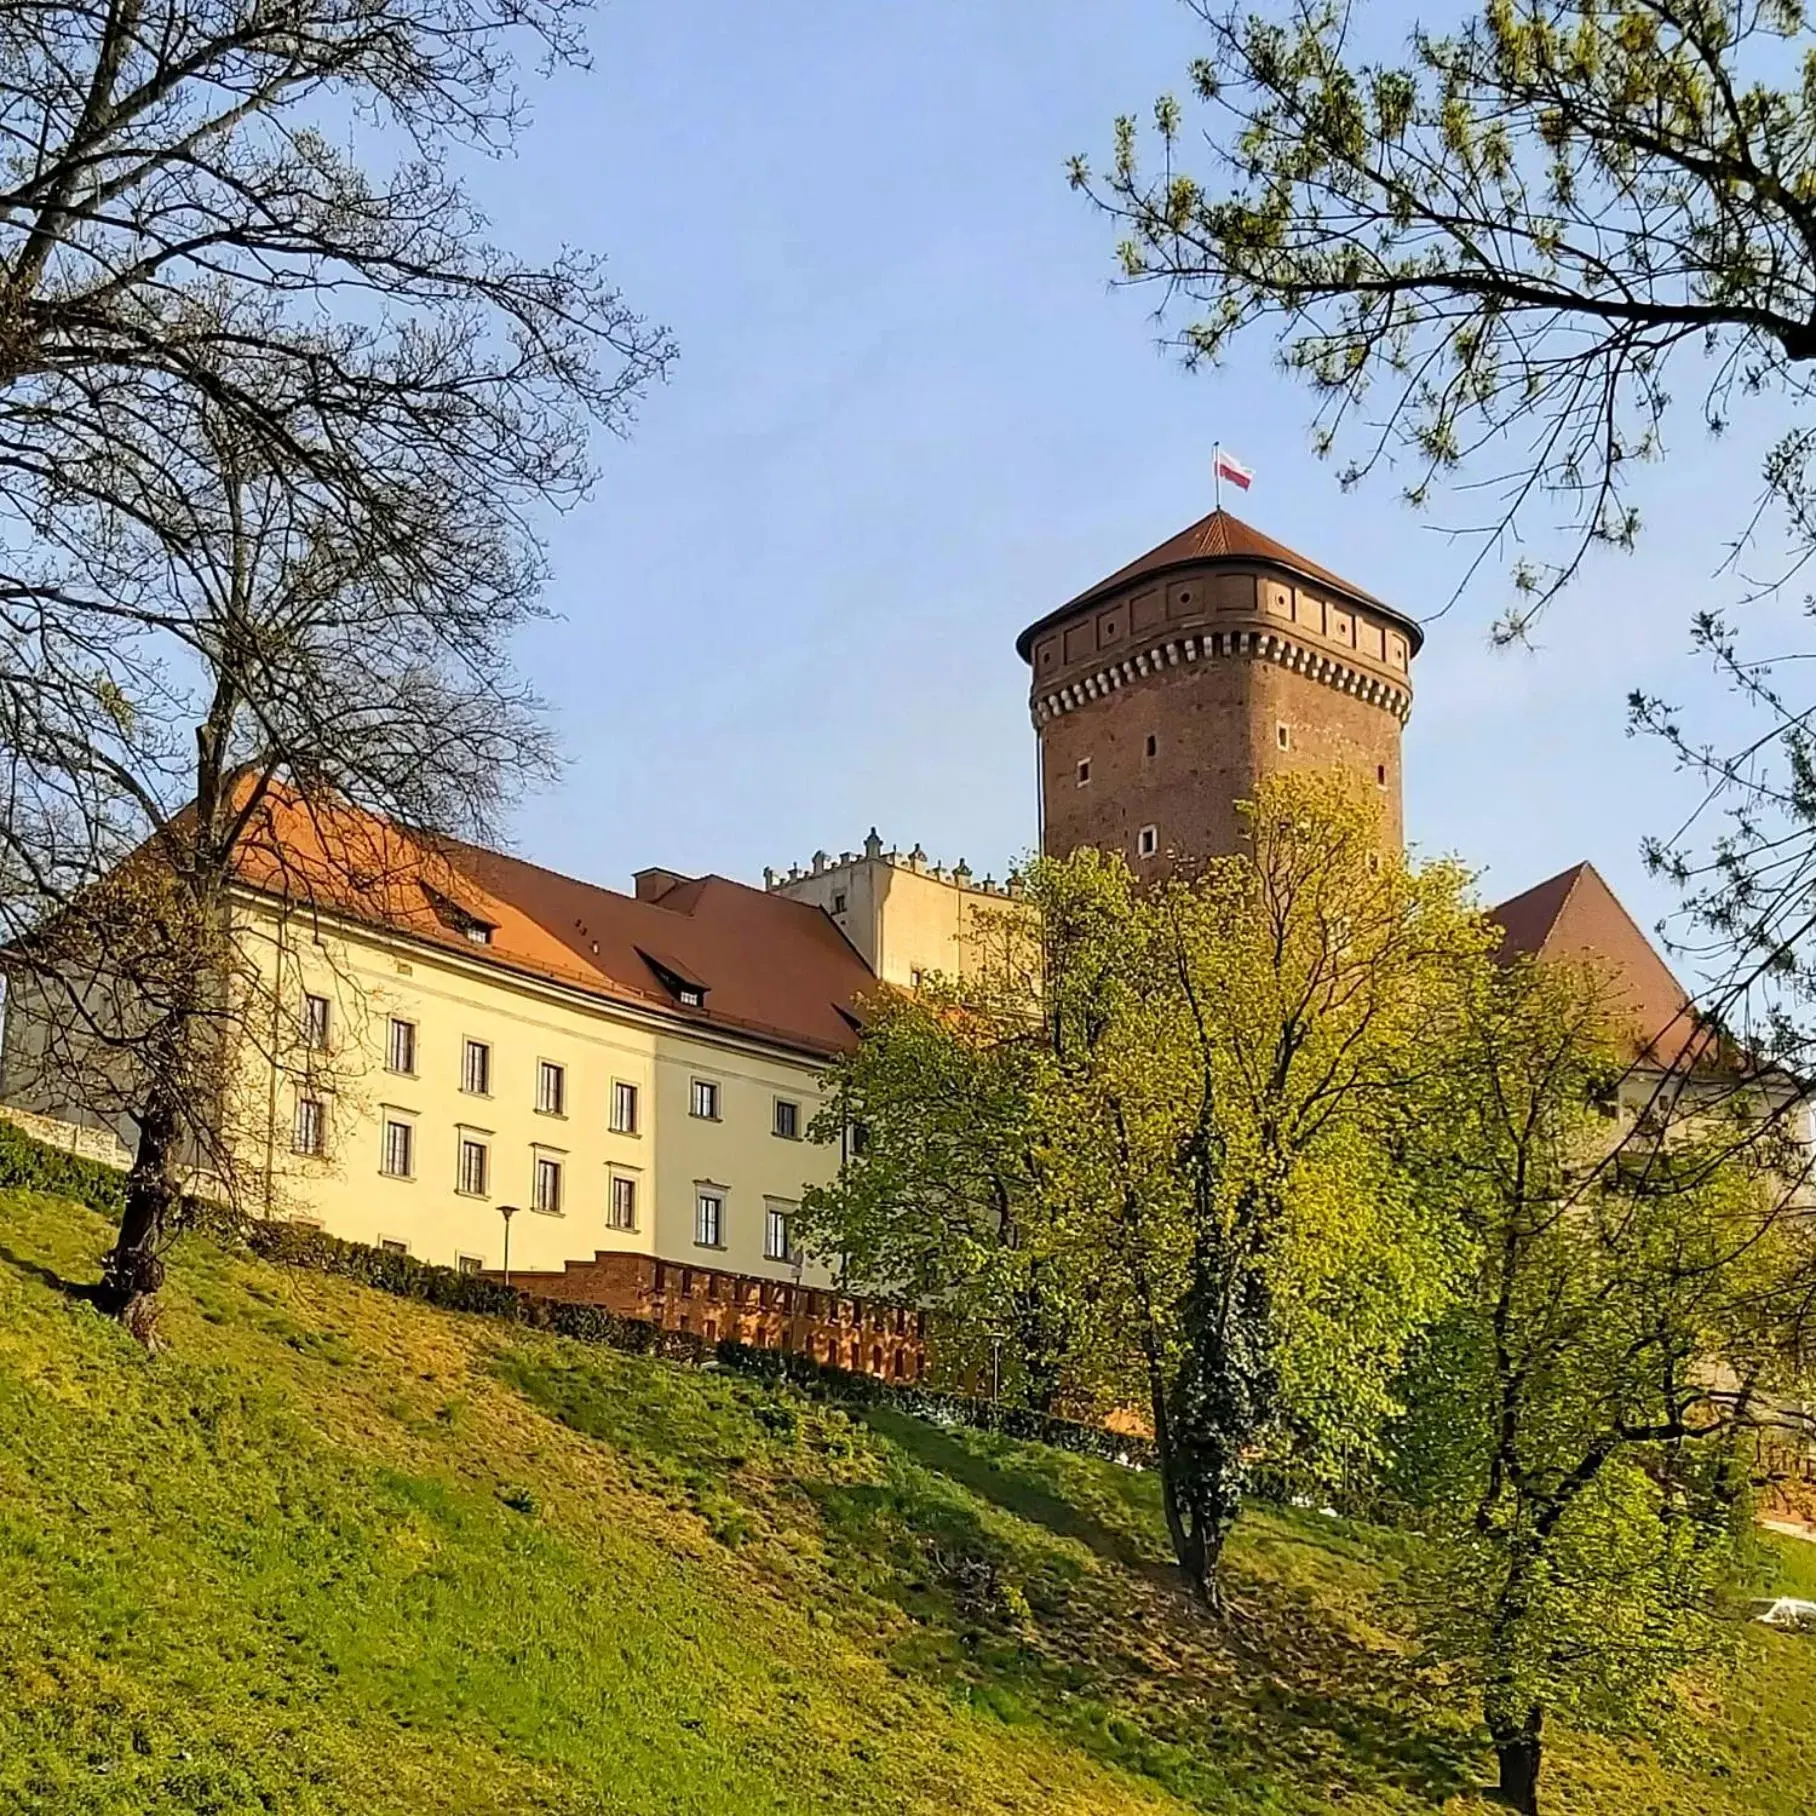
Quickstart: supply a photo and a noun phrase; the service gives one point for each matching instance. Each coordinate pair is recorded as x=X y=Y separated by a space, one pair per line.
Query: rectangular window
x=624 y=1108
x=788 y=1119
x=1147 y=841
x=775 y=1235
x=400 y=1047
x=551 y=1088
x=838 y=901
x=309 y=1136
x=706 y=1099
x=1084 y=771
x=469 y=1264
x=474 y=1166
x=709 y=1220
x=399 y=1158
x=392 y=1246
x=621 y=1212
x=315 y=1021
x=545 y=1192
x=476 y=1069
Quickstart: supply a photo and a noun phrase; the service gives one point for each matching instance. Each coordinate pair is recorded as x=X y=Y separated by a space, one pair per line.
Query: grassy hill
x=338 y=1552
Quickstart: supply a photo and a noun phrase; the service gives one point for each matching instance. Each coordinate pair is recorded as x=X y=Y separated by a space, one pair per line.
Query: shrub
x=295 y=1245
x=35 y=1166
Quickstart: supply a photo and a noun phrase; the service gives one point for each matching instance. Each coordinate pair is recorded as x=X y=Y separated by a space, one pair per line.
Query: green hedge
x=35 y=1166
x=294 y=1245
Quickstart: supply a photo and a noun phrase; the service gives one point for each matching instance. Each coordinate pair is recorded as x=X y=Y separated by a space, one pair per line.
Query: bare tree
x=276 y=424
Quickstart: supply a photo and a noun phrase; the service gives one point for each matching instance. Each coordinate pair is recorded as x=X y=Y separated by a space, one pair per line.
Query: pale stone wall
x=74 y=1138
x=906 y=917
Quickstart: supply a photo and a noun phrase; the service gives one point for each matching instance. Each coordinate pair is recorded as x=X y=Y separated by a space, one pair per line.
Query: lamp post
x=507 y=1212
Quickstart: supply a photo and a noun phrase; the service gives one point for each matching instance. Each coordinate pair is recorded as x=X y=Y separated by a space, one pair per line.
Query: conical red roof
x=1219 y=537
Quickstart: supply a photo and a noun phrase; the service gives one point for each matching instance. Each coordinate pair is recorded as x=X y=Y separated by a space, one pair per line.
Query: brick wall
x=864 y=1335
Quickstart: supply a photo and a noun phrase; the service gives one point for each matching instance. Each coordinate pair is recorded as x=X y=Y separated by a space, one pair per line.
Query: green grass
x=332 y=1551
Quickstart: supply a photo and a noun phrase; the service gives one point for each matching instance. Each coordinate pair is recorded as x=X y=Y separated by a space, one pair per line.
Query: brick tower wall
x=1183 y=694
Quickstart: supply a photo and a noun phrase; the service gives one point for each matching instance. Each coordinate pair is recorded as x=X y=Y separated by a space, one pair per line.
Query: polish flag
x=1230 y=468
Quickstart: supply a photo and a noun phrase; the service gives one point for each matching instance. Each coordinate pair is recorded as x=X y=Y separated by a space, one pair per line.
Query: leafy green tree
x=939 y=1194
x=1239 y=1056
x=1569 y=1439
x=1502 y=258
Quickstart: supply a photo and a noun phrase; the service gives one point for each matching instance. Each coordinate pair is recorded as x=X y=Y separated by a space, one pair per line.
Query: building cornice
x=1243 y=645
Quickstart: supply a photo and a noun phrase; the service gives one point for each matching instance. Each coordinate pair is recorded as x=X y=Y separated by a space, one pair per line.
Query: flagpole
x=1217 y=476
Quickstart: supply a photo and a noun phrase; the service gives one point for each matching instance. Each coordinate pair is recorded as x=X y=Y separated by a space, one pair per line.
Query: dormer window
x=458 y=919
x=674 y=977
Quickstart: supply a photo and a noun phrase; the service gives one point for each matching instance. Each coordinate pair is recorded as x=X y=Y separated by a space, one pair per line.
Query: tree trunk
x=134 y=1270
x=1520 y=1755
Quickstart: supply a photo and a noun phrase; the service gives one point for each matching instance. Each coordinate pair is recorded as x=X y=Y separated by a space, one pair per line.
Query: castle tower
x=1162 y=695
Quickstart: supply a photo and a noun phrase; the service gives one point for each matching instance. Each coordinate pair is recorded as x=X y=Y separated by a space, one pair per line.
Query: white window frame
x=713 y=1093
x=469 y=1044
x=547 y=1069
x=1147 y=842
x=557 y=1165
x=318 y=1147
x=1082 y=769
x=391 y=1065
x=776 y=1129
x=317 y=1028
x=706 y=1193
x=776 y=1215
x=390 y=1119
x=469 y=1264
x=635 y=1100
x=483 y=1142
x=393 y=1245
x=614 y=1182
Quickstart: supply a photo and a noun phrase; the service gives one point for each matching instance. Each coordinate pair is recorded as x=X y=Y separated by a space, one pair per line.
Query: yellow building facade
x=449 y=1087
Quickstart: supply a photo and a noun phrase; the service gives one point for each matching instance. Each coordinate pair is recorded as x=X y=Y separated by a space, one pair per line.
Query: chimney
x=654 y=883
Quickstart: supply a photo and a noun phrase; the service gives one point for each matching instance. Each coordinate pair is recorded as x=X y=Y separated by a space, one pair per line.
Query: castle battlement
x=823 y=864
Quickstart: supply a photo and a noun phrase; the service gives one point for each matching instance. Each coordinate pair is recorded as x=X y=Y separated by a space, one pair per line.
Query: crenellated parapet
x=823 y=865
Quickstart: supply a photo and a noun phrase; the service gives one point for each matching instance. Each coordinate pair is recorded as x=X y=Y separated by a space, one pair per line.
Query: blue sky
x=911 y=414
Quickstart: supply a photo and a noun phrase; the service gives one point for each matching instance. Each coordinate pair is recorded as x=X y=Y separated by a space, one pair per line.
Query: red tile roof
x=1576 y=915
x=771 y=967
x=1219 y=537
